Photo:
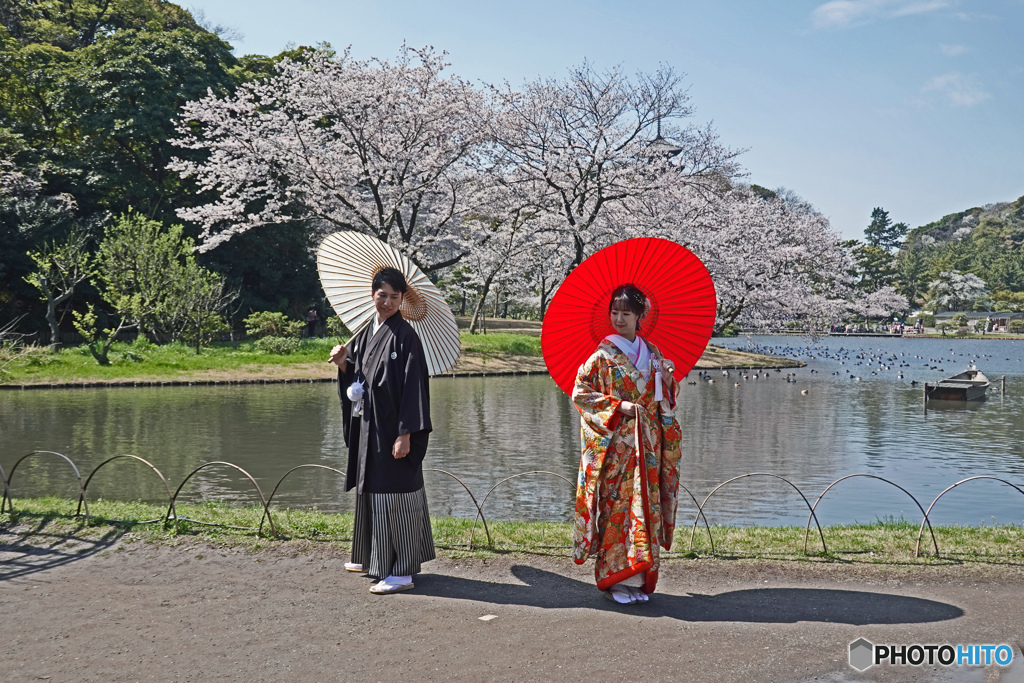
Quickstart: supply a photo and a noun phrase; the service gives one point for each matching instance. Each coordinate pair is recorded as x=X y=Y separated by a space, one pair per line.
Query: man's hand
x=401 y=447
x=339 y=356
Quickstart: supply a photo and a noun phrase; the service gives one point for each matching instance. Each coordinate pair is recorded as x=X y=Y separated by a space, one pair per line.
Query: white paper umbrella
x=347 y=262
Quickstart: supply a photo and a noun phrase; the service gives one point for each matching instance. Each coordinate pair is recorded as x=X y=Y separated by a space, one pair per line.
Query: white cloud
x=920 y=7
x=953 y=50
x=957 y=89
x=846 y=13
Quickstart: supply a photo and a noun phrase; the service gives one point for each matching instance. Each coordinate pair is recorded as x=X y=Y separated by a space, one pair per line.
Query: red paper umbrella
x=676 y=283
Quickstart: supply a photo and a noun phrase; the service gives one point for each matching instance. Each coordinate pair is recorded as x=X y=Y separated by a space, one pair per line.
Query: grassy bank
x=495 y=352
x=878 y=543
x=130 y=361
x=223 y=361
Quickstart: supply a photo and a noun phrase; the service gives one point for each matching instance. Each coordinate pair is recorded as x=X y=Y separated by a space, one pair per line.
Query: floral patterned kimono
x=625 y=505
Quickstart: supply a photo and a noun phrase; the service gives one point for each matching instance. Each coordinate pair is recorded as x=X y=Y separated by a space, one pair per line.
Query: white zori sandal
x=353 y=567
x=392 y=584
x=638 y=594
x=620 y=594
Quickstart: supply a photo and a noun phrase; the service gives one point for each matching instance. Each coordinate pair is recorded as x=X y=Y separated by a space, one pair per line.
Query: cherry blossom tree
x=955 y=290
x=772 y=260
x=518 y=253
x=880 y=304
x=585 y=146
x=385 y=148
x=505 y=238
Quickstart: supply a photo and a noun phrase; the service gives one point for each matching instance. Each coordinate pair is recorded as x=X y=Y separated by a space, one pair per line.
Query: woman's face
x=387 y=299
x=623 y=320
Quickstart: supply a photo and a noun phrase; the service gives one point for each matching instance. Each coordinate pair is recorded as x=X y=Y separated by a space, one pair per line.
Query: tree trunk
x=51 y=319
x=484 y=290
x=543 y=297
x=101 y=348
x=52 y=303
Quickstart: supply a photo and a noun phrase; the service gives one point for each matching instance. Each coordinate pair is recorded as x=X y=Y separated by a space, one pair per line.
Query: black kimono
x=391 y=534
x=393 y=368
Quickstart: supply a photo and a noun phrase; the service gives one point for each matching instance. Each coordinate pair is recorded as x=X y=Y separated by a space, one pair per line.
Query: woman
x=383 y=385
x=626 y=494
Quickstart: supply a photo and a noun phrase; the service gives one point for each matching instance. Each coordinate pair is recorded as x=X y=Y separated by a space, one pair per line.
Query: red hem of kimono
x=651 y=582
x=608 y=582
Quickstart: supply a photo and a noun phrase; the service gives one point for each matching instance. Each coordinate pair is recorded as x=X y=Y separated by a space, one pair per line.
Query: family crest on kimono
x=626 y=495
x=385 y=401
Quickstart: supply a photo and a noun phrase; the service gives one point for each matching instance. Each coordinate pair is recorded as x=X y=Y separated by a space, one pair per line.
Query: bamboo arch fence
x=267 y=519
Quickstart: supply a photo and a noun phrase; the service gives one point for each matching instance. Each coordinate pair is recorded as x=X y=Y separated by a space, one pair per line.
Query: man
x=383 y=385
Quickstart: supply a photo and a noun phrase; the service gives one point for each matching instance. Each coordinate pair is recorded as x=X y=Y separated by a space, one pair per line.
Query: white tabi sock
x=638 y=594
x=621 y=594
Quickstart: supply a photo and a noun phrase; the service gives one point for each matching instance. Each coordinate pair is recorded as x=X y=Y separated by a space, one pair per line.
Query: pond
x=486 y=429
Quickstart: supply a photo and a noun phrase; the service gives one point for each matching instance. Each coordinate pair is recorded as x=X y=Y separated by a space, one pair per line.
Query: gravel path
x=118 y=611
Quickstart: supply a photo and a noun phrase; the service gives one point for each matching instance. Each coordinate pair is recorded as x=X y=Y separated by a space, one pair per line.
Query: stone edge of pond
x=27 y=386
x=226 y=382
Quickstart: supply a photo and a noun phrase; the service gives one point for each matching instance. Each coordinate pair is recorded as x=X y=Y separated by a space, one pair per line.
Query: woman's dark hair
x=389 y=276
x=630 y=296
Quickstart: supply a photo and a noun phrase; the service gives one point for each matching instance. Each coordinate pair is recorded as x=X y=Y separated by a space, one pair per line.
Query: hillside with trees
x=987 y=242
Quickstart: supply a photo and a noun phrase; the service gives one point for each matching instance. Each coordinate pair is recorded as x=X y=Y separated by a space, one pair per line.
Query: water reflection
x=490 y=428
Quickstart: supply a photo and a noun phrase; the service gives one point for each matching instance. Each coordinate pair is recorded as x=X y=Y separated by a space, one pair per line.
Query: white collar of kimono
x=637 y=351
x=377 y=324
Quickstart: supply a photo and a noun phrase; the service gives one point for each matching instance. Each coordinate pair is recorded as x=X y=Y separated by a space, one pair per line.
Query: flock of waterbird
x=863 y=363
x=746 y=375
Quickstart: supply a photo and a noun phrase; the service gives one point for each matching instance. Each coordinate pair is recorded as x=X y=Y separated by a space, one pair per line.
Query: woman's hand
x=339 y=356
x=401 y=447
x=627 y=408
x=668 y=366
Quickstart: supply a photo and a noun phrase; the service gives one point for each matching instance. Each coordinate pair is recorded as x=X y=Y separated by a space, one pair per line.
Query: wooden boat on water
x=969 y=385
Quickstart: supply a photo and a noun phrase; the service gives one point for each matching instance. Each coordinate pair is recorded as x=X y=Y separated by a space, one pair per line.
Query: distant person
x=627 y=491
x=385 y=402
x=311 y=320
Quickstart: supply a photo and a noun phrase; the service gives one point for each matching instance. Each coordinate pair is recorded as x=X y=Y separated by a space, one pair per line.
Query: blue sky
x=916 y=106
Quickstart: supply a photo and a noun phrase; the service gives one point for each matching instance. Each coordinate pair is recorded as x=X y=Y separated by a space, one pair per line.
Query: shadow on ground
x=29 y=548
x=759 y=605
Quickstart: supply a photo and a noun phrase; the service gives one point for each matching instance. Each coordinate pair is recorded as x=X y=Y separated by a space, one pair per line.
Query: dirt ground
x=113 y=610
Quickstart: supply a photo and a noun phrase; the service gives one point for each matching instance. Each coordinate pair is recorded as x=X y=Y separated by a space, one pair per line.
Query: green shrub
x=336 y=328
x=267 y=324
x=278 y=345
x=959 y=320
x=963 y=332
x=141 y=345
x=38 y=356
x=130 y=354
x=1017 y=326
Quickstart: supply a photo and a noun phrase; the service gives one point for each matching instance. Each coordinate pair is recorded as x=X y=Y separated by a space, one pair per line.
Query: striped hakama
x=391 y=535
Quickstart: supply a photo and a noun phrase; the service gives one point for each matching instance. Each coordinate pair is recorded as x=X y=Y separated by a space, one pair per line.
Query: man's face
x=386 y=300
